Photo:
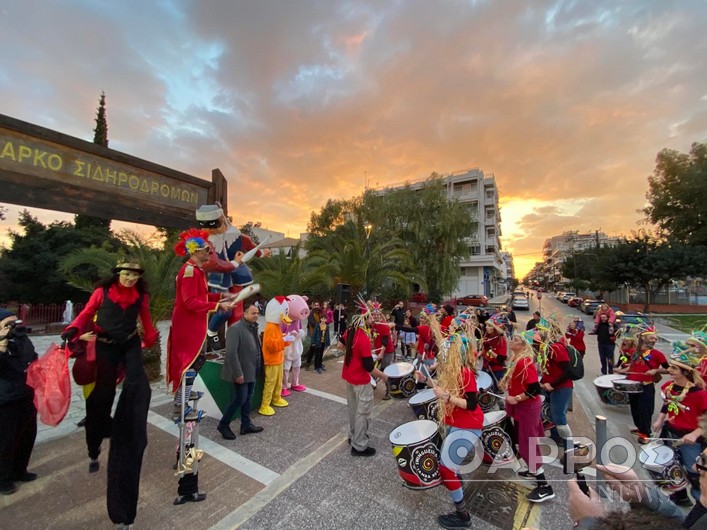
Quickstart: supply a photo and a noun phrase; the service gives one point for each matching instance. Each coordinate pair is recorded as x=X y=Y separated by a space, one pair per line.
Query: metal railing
x=41 y=314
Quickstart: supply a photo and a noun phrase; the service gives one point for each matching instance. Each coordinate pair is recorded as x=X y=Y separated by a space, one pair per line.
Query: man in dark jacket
x=240 y=368
x=18 y=415
x=606 y=340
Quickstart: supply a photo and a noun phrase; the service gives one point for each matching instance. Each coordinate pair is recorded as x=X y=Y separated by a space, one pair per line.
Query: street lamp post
x=368 y=227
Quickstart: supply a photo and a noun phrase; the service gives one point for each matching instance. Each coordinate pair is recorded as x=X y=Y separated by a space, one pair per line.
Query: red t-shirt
x=354 y=372
x=424 y=336
x=576 y=338
x=648 y=360
x=556 y=355
x=445 y=323
x=524 y=374
x=382 y=330
x=499 y=347
x=702 y=368
x=464 y=418
x=694 y=403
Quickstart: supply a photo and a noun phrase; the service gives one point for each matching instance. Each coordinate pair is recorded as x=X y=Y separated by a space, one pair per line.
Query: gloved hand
x=69 y=334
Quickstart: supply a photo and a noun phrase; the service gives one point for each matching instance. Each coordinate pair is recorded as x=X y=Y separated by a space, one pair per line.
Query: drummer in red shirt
x=495 y=349
x=383 y=344
x=524 y=406
x=457 y=401
x=556 y=379
x=357 y=371
x=645 y=363
x=684 y=402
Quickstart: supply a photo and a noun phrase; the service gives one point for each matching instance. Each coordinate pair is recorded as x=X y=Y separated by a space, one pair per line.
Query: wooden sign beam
x=46 y=169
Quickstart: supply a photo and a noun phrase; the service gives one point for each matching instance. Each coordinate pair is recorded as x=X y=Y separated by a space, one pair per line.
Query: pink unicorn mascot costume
x=298 y=311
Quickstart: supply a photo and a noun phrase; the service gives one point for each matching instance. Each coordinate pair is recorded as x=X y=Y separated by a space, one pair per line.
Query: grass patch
x=687 y=323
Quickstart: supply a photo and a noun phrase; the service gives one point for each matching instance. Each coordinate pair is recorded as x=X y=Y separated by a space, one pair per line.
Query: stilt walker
x=192 y=306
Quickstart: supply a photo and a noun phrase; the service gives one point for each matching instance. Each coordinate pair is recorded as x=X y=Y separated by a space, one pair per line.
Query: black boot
x=458 y=519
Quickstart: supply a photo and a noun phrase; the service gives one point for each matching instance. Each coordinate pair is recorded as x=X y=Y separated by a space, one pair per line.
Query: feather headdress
x=190 y=241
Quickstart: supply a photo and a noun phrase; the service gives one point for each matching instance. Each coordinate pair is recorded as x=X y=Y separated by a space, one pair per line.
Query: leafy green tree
x=84 y=267
x=288 y=273
x=372 y=262
x=434 y=230
x=30 y=264
x=247 y=229
x=678 y=195
x=647 y=262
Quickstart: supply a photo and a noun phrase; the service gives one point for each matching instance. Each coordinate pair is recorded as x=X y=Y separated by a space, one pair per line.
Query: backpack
x=576 y=363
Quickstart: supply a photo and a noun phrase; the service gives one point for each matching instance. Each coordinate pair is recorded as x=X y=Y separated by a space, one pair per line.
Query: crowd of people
x=450 y=351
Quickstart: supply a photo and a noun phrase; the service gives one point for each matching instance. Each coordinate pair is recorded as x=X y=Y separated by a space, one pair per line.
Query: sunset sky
x=567 y=103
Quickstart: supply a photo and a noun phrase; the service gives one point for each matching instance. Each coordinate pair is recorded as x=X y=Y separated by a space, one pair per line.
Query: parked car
x=631 y=318
x=478 y=300
x=574 y=302
x=520 y=302
x=589 y=306
x=566 y=296
x=559 y=295
x=419 y=297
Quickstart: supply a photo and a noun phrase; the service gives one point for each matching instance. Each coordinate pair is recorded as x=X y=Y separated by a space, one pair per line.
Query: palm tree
x=288 y=273
x=84 y=267
x=361 y=260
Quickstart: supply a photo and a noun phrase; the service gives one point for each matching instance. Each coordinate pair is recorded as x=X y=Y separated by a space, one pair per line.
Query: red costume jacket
x=192 y=304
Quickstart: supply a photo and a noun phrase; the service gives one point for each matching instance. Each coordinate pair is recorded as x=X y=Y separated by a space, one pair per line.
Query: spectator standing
x=240 y=367
x=18 y=415
x=575 y=337
x=533 y=321
x=606 y=341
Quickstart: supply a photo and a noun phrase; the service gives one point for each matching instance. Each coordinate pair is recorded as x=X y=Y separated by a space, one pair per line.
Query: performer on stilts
x=192 y=306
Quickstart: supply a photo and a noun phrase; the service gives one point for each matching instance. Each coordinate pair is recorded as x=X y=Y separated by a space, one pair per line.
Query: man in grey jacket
x=240 y=367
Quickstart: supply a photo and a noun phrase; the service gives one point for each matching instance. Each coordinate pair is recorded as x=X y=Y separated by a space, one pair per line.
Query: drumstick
x=494 y=395
x=428 y=376
x=677 y=441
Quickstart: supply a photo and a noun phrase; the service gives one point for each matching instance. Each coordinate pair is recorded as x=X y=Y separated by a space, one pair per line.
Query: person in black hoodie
x=18 y=415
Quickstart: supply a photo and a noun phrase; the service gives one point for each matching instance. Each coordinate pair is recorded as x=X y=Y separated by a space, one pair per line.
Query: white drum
x=604 y=385
x=416 y=448
x=663 y=466
x=484 y=383
x=424 y=405
x=401 y=379
x=497 y=443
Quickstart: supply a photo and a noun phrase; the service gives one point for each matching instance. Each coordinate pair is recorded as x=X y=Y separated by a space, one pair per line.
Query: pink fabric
x=526 y=416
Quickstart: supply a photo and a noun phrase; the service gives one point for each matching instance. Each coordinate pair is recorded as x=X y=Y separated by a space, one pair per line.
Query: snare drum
x=628 y=387
x=401 y=379
x=607 y=393
x=663 y=466
x=483 y=384
x=497 y=443
x=416 y=447
x=424 y=405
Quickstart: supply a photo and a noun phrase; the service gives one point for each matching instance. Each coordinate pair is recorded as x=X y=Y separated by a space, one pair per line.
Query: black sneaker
x=226 y=432
x=541 y=494
x=368 y=451
x=213 y=343
x=454 y=520
x=526 y=474
x=94 y=466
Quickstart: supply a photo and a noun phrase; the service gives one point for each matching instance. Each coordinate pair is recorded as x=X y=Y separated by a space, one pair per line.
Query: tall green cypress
x=100 y=137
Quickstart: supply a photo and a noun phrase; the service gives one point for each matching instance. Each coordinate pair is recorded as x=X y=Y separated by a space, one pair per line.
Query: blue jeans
x=559 y=401
x=219 y=319
x=606 y=356
x=242 y=398
x=688 y=454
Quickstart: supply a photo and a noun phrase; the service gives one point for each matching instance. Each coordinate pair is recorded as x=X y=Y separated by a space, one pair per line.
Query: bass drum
x=495 y=438
x=484 y=383
x=424 y=405
x=607 y=393
x=663 y=466
x=416 y=448
x=402 y=380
